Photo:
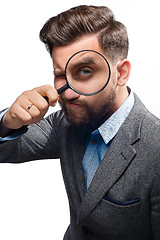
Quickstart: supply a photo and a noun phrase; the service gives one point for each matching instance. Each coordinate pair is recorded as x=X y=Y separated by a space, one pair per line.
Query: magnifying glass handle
x=46 y=98
x=62 y=89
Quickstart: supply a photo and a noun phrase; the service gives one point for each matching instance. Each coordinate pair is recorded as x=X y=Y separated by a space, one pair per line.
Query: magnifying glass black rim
x=81 y=93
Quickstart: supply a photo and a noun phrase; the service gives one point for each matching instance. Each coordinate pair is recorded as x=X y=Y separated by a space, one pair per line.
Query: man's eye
x=84 y=72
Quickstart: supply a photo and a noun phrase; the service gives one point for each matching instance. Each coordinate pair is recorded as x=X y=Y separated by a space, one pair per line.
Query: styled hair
x=71 y=25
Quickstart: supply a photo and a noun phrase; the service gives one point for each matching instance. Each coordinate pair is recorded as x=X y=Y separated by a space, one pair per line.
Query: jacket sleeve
x=39 y=142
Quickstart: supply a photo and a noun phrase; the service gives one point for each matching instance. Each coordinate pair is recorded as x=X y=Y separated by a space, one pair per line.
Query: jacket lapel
x=114 y=164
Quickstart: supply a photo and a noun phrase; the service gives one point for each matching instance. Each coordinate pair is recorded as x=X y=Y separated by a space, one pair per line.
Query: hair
x=75 y=23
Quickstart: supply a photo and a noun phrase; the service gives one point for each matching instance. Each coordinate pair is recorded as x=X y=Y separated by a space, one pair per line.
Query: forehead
x=60 y=55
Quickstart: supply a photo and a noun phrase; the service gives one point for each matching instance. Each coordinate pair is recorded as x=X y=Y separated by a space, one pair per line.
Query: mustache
x=63 y=101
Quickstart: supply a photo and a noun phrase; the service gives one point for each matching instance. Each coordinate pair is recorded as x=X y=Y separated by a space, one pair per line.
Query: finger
x=36 y=106
x=50 y=92
x=26 y=110
x=33 y=98
x=21 y=116
x=36 y=114
x=16 y=117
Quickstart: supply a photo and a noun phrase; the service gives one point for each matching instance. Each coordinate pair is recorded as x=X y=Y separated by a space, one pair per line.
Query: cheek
x=59 y=82
x=113 y=79
x=94 y=102
x=104 y=99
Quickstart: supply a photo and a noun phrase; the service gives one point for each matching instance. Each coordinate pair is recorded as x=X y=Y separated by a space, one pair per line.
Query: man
x=108 y=143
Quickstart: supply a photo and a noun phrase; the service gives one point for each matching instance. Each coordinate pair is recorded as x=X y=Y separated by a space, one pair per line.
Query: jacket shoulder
x=142 y=124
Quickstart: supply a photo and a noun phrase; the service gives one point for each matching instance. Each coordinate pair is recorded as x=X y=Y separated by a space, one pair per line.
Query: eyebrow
x=79 y=62
x=85 y=61
x=82 y=62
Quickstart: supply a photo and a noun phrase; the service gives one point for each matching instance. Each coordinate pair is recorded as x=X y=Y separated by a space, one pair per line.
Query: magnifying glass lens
x=87 y=72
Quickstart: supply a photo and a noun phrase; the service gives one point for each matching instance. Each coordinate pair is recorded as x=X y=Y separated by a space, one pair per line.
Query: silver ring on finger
x=29 y=107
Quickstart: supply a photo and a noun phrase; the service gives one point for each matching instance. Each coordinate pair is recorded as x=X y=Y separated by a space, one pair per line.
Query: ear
x=123 y=69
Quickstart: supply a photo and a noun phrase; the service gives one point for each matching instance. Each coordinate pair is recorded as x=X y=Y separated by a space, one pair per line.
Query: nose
x=69 y=94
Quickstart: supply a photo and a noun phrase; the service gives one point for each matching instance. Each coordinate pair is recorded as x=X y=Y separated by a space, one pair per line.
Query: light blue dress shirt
x=101 y=139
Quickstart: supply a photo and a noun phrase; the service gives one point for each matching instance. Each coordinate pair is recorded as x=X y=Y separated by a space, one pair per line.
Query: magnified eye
x=82 y=74
x=85 y=72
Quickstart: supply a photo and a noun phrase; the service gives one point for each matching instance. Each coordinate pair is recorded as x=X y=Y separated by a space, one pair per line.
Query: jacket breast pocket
x=120 y=207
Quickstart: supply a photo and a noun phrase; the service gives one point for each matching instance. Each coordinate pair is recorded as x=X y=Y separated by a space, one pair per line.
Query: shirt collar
x=110 y=127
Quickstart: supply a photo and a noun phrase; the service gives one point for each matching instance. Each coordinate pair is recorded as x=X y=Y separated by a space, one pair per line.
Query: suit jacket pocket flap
x=110 y=205
x=122 y=203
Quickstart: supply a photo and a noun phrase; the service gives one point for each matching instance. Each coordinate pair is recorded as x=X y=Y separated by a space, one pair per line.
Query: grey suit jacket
x=123 y=200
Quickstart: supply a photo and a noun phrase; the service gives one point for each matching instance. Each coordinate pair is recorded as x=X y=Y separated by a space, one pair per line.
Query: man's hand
x=30 y=107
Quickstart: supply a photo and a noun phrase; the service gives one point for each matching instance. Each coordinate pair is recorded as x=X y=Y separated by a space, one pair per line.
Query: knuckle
x=26 y=93
x=36 y=113
x=43 y=106
x=48 y=86
x=27 y=119
x=20 y=119
x=13 y=115
x=44 y=87
x=13 y=110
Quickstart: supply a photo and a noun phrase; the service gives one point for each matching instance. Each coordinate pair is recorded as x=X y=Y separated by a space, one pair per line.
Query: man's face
x=83 y=110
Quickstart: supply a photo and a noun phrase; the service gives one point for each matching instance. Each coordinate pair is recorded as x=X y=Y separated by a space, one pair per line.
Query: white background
x=33 y=202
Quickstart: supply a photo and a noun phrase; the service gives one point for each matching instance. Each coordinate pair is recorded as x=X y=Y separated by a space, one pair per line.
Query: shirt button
x=94 y=141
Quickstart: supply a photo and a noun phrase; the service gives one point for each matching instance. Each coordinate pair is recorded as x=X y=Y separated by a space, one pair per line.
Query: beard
x=79 y=113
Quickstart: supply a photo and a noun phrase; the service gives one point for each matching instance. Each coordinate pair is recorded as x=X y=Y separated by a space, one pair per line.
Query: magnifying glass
x=87 y=72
